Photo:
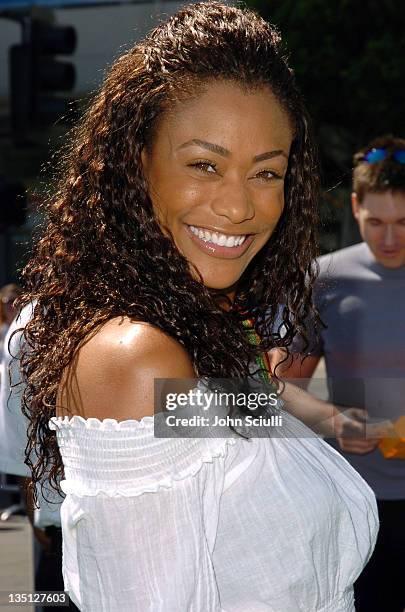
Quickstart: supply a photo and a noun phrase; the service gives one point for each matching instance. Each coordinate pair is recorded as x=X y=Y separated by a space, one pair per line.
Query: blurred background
x=348 y=56
x=349 y=59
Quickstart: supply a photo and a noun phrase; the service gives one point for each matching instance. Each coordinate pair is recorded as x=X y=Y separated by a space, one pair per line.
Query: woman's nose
x=233 y=201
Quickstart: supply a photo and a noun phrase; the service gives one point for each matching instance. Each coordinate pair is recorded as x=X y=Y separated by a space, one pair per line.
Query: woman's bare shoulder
x=113 y=373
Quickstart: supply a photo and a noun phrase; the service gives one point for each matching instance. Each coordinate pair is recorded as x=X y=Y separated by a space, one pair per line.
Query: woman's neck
x=223 y=299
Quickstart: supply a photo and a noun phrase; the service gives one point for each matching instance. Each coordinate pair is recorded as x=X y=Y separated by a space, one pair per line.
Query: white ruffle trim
x=79 y=422
x=202 y=451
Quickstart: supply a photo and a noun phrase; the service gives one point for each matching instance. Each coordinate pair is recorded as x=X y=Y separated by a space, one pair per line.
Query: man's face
x=381 y=219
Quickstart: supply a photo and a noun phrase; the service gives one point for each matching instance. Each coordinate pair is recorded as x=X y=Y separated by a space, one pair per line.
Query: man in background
x=8 y=295
x=45 y=520
x=360 y=294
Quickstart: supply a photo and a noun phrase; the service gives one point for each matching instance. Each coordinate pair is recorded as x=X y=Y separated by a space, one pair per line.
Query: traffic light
x=39 y=81
x=13 y=203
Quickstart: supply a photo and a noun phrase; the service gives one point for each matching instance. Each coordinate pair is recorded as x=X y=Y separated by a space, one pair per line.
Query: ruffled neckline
x=78 y=422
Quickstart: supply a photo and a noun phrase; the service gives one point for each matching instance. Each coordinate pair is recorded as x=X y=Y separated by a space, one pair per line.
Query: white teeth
x=219 y=239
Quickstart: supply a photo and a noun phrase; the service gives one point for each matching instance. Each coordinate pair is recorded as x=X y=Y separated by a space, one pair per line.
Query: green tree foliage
x=349 y=60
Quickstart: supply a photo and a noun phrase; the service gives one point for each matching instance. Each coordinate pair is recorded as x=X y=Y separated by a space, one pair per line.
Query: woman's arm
x=294 y=367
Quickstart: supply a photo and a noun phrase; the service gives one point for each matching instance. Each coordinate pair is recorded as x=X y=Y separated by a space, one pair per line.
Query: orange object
x=393 y=447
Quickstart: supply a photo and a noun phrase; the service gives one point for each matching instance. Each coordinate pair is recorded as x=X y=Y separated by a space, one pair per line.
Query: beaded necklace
x=262 y=360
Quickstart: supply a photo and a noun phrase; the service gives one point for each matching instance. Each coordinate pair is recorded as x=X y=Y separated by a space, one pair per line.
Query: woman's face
x=216 y=173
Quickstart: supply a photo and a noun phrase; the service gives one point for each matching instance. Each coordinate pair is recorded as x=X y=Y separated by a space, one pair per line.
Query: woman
x=187 y=206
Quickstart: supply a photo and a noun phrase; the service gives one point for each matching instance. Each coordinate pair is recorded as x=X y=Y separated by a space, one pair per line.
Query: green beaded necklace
x=262 y=360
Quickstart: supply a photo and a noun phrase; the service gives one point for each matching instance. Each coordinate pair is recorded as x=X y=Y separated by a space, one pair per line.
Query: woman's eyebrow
x=270 y=155
x=215 y=148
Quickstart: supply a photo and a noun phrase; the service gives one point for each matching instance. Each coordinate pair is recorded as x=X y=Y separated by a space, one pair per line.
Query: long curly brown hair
x=103 y=254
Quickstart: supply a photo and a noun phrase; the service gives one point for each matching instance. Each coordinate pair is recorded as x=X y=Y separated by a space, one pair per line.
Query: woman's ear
x=145 y=162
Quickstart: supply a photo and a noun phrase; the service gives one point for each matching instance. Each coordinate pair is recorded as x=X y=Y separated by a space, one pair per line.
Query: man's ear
x=355 y=205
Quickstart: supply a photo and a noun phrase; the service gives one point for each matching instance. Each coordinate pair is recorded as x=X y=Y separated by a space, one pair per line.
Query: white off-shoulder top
x=208 y=525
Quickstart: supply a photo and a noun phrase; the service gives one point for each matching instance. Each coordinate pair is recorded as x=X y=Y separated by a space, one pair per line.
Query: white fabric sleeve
x=140 y=516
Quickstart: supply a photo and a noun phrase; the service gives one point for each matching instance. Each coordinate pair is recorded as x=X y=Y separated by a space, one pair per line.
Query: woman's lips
x=216 y=250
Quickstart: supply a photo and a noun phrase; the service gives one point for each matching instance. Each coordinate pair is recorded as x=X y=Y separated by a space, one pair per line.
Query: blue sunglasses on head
x=375 y=155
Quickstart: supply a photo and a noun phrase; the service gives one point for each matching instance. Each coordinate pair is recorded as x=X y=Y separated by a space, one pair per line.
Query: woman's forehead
x=228 y=114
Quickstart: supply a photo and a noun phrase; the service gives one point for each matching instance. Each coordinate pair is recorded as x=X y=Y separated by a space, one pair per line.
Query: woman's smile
x=219 y=244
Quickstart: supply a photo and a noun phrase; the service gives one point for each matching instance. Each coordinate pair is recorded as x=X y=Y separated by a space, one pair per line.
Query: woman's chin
x=226 y=286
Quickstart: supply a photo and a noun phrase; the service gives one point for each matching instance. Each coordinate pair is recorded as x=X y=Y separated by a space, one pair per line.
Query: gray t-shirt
x=362 y=303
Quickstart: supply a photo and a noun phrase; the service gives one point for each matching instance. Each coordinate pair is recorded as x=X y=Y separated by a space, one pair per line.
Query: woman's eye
x=204 y=166
x=267 y=175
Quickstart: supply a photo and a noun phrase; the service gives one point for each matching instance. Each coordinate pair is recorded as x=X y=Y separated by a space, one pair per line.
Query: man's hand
x=353 y=433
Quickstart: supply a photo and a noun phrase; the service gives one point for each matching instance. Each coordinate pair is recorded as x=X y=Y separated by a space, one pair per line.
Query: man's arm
x=322 y=417
x=347 y=427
